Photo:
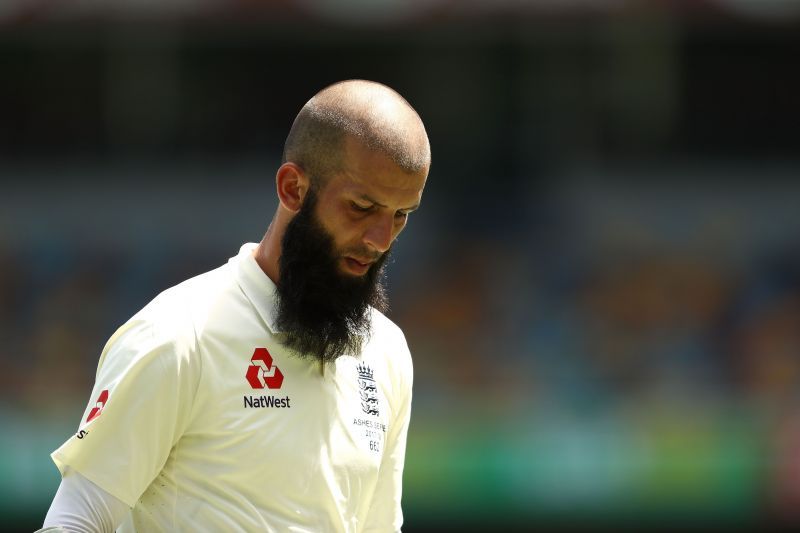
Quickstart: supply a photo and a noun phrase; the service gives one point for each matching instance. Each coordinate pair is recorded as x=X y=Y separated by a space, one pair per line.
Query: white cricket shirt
x=200 y=420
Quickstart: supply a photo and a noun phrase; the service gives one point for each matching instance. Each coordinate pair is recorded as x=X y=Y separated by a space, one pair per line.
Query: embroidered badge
x=368 y=390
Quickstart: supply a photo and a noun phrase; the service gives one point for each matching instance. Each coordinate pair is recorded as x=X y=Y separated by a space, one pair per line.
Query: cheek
x=345 y=238
x=338 y=227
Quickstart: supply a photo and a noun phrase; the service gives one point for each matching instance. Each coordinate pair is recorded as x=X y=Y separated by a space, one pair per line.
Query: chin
x=353 y=275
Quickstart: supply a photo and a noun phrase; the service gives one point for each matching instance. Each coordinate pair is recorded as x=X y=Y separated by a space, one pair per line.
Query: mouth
x=357 y=266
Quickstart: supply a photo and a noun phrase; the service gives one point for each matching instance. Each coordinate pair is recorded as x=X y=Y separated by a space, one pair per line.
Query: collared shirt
x=201 y=420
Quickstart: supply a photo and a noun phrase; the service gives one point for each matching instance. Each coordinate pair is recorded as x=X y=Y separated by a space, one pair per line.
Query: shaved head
x=369 y=112
x=354 y=167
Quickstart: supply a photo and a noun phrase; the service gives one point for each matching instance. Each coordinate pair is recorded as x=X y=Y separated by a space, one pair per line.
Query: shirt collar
x=257 y=286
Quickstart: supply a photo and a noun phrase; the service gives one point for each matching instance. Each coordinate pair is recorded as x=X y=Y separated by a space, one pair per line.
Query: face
x=332 y=258
x=366 y=206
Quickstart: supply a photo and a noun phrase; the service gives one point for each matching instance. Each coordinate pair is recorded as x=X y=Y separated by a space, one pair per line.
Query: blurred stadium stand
x=601 y=290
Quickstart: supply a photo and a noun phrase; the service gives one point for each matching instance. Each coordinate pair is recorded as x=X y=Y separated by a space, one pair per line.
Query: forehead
x=367 y=172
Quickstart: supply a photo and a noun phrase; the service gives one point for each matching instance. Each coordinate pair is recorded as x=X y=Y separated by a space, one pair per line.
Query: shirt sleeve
x=385 y=513
x=81 y=506
x=140 y=406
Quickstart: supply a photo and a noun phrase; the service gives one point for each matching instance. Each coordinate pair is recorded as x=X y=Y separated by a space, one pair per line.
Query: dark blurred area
x=601 y=290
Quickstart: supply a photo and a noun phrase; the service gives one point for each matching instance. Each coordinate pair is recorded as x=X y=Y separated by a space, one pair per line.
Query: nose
x=380 y=234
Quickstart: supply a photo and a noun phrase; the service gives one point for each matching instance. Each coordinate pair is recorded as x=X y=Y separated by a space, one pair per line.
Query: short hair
x=370 y=112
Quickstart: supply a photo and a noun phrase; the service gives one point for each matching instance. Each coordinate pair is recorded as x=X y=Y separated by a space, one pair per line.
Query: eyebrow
x=375 y=202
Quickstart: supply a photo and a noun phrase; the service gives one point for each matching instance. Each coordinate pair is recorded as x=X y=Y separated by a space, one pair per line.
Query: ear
x=292 y=184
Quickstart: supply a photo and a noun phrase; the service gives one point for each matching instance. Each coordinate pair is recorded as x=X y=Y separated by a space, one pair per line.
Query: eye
x=360 y=208
x=401 y=215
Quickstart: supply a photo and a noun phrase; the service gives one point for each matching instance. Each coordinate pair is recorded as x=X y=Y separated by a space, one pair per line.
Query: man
x=269 y=394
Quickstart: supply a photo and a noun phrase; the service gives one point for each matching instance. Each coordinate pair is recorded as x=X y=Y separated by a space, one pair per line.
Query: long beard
x=323 y=312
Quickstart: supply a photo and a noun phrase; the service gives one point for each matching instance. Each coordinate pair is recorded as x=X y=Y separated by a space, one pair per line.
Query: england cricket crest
x=368 y=390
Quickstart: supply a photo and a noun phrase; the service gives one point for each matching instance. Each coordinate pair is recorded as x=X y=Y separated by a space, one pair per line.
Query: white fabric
x=80 y=506
x=186 y=441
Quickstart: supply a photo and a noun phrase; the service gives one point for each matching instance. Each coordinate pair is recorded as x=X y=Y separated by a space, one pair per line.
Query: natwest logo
x=262 y=373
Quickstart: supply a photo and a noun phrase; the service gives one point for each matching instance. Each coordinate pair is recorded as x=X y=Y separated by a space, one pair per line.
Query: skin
x=364 y=207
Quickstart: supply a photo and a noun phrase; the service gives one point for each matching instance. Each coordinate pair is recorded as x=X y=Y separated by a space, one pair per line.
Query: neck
x=268 y=250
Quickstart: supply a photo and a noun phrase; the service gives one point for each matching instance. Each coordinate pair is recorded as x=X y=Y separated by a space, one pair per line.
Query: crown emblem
x=364 y=372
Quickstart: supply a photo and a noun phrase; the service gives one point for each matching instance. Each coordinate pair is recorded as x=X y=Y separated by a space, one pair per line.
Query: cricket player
x=270 y=394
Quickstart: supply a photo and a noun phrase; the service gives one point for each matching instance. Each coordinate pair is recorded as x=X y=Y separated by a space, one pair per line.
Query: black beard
x=323 y=312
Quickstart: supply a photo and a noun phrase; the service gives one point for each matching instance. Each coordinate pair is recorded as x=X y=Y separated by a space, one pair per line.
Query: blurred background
x=601 y=290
